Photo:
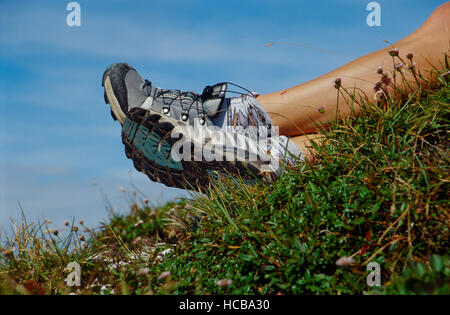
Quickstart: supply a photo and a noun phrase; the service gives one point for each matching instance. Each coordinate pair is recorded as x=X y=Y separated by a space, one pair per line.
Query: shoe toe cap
x=118 y=70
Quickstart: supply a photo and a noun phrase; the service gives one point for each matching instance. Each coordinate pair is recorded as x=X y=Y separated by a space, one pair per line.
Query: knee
x=440 y=18
x=442 y=12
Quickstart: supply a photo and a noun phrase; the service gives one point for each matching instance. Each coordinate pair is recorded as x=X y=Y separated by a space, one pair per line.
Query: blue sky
x=56 y=135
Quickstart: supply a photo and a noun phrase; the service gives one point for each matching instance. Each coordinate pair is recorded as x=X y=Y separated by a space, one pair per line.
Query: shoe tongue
x=211 y=106
x=212 y=98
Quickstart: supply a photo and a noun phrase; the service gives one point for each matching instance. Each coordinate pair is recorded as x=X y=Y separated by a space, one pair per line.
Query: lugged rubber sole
x=147 y=140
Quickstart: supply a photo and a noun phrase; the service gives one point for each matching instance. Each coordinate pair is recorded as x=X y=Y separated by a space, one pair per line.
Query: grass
x=375 y=191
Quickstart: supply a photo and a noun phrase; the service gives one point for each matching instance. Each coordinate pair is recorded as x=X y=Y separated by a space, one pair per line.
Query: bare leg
x=296 y=110
x=305 y=143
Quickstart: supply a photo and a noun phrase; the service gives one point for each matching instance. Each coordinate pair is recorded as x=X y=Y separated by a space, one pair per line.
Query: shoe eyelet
x=166 y=110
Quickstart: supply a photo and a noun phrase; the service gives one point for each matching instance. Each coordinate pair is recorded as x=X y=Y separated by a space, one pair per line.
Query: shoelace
x=192 y=96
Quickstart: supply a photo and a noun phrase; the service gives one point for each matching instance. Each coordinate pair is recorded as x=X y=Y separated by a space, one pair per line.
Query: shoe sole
x=148 y=143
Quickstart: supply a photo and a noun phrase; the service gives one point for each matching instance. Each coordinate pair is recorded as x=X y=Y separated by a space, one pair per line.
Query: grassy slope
x=376 y=191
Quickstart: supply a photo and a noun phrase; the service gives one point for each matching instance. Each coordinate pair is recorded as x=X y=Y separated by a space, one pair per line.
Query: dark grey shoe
x=160 y=131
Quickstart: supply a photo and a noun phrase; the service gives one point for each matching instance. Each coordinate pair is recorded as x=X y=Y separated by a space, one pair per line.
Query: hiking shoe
x=186 y=139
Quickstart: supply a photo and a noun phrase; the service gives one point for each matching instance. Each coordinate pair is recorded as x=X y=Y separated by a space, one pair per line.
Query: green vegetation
x=375 y=191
